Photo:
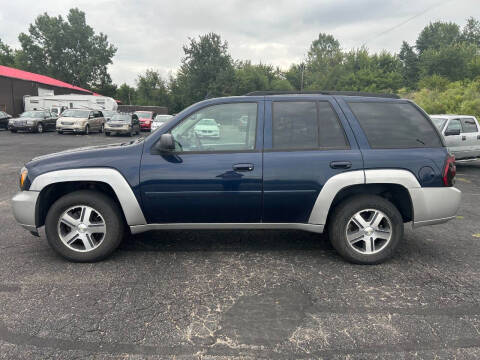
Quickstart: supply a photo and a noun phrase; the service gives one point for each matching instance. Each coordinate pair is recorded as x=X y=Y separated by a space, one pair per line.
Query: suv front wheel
x=366 y=229
x=84 y=226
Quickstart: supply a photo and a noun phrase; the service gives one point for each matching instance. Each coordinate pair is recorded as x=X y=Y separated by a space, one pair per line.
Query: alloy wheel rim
x=81 y=228
x=369 y=231
x=40 y=128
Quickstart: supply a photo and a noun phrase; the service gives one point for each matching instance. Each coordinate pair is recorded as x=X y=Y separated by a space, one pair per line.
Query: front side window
x=469 y=125
x=224 y=127
x=454 y=125
x=390 y=125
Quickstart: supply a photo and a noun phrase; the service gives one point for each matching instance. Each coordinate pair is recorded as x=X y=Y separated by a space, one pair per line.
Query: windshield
x=207 y=122
x=439 y=122
x=121 y=117
x=33 y=114
x=144 y=114
x=108 y=113
x=76 y=113
x=162 y=118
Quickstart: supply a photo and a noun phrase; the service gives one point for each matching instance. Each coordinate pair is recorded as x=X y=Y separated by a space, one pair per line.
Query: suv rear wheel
x=84 y=226
x=366 y=229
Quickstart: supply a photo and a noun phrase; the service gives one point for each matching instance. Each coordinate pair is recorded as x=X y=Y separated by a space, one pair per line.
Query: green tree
x=324 y=63
x=151 y=89
x=451 y=61
x=371 y=73
x=410 y=70
x=249 y=77
x=471 y=32
x=206 y=70
x=7 y=56
x=68 y=50
x=437 y=35
x=126 y=94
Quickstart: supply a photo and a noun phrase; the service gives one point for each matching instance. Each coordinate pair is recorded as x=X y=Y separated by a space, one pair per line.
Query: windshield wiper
x=420 y=141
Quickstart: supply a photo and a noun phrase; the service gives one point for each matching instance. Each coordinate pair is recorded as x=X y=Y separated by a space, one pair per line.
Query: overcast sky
x=150 y=33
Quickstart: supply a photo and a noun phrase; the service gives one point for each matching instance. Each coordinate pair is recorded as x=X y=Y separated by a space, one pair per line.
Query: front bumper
x=434 y=205
x=144 y=126
x=71 y=128
x=30 y=128
x=24 y=205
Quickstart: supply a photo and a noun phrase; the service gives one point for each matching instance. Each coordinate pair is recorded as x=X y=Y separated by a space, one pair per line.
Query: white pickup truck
x=461 y=134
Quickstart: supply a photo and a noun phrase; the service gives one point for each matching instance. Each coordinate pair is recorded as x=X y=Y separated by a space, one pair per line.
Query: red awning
x=41 y=79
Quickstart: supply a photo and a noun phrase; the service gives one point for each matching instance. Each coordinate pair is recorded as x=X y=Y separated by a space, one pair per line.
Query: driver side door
x=215 y=179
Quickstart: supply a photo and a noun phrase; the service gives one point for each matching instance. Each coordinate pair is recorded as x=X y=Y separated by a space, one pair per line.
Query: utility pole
x=302 y=67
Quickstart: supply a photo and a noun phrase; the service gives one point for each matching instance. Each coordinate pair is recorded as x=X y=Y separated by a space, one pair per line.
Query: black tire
x=343 y=212
x=131 y=132
x=87 y=130
x=39 y=129
x=13 y=131
x=107 y=133
x=102 y=128
x=109 y=210
x=60 y=132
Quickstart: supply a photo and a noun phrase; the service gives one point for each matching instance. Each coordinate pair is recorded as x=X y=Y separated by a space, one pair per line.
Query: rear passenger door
x=307 y=141
x=470 y=137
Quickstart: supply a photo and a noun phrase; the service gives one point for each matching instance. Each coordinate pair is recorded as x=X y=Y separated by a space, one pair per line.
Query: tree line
x=440 y=71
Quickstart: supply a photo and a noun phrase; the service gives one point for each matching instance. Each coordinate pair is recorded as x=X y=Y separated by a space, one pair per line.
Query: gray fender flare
x=343 y=180
x=130 y=206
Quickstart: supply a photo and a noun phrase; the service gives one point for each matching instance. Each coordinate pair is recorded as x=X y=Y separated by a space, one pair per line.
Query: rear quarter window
x=390 y=125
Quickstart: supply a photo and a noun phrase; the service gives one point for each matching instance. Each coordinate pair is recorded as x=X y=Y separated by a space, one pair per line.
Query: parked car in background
x=357 y=167
x=159 y=121
x=145 y=118
x=33 y=121
x=4 y=117
x=207 y=128
x=461 y=134
x=80 y=121
x=107 y=114
x=122 y=124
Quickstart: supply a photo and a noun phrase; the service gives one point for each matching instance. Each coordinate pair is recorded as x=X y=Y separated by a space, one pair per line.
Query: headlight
x=23 y=177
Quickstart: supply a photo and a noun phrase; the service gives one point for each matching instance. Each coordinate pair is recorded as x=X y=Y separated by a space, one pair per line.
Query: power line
x=408 y=20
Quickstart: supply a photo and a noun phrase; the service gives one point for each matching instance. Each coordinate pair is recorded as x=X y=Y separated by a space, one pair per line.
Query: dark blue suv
x=358 y=167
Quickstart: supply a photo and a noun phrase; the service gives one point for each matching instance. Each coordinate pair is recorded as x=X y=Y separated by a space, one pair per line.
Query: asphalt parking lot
x=228 y=294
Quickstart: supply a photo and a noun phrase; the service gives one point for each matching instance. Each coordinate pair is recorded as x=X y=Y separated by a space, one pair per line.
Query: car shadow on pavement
x=222 y=240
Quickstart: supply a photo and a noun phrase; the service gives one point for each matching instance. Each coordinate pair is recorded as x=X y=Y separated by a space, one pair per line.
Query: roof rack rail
x=319 y=92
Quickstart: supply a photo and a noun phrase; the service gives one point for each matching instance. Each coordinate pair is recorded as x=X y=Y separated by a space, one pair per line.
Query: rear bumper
x=24 y=205
x=144 y=126
x=434 y=205
x=121 y=130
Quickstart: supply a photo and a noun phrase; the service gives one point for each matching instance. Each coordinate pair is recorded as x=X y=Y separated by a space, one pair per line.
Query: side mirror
x=450 y=132
x=166 y=143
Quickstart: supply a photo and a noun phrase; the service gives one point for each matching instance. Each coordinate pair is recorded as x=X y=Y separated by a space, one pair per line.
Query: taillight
x=449 y=171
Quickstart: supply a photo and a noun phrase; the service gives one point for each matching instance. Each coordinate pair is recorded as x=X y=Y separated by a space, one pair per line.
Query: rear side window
x=469 y=125
x=301 y=125
x=395 y=125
